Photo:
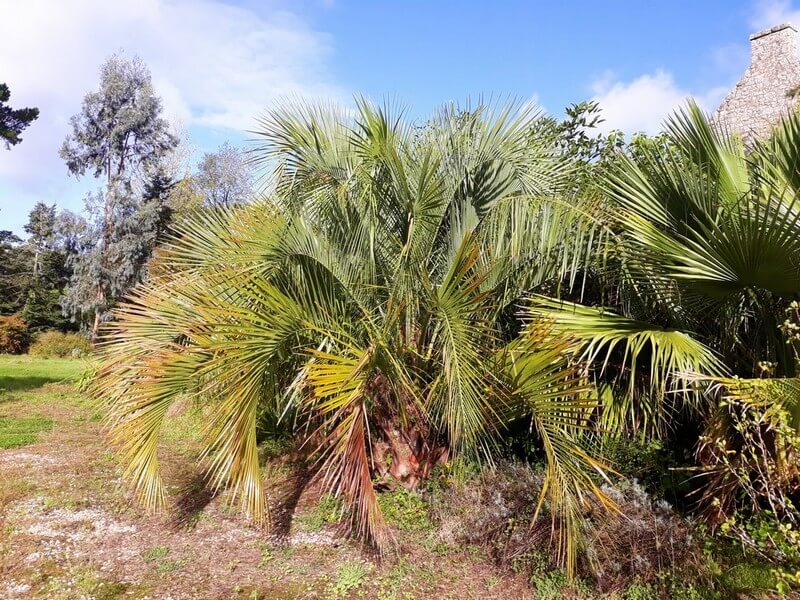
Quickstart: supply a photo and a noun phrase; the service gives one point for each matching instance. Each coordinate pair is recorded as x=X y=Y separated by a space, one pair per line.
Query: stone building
x=769 y=87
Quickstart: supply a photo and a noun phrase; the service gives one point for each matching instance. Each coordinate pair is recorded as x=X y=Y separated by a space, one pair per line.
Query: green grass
x=21 y=432
x=19 y=373
x=155 y=553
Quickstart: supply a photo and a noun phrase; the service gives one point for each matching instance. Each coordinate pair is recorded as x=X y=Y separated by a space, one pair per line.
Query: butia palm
x=368 y=300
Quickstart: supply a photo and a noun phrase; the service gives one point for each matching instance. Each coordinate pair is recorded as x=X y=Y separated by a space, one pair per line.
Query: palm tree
x=368 y=303
x=705 y=264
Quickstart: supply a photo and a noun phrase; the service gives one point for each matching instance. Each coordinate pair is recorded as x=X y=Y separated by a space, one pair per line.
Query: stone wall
x=766 y=91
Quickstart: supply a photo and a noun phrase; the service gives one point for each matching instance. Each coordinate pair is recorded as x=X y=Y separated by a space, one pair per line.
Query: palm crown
x=370 y=300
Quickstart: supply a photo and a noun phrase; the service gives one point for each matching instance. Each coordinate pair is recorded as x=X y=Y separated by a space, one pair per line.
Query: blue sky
x=218 y=64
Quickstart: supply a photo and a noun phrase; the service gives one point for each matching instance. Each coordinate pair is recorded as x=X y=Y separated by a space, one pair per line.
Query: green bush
x=14 y=336
x=56 y=344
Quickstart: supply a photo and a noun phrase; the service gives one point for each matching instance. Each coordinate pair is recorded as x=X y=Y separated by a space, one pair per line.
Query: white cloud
x=642 y=105
x=769 y=13
x=214 y=65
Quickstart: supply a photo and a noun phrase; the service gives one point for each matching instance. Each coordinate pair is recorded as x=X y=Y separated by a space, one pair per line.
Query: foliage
x=705 y=261
x=119 y=135
x=614 y=345
x=45 y=271
x=638 y=591
x=120 y=127
x=13 y=121
x=657 y=467
x=114 y=257
x=405 y=510
x=224 y=177
x=41 y=227
x=349 y=577
x=647 y=541
x=750 y=456
x=86 y=378
x=33 y=273
x=369 y=303
x=62 y=345
x=14 y=335
x=549 y=586
x=644 y=542
x=769 y=539
x=408 y=294
x=10 y=269
x=326 y=511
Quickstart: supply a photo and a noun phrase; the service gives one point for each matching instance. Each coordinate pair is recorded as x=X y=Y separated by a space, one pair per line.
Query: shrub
x=644 y=543
x=57 y=344
x=14 y=336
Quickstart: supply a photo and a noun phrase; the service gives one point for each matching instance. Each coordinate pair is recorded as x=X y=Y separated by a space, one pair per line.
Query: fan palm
x=706 y=261
x=369 y=300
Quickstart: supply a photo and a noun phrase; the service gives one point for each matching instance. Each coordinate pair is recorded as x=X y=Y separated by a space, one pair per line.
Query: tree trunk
x=95 y=325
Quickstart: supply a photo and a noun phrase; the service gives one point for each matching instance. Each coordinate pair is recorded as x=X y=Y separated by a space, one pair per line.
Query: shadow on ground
x=284 y=503
x=196 y=495
x=30 y=382
x=191 y=501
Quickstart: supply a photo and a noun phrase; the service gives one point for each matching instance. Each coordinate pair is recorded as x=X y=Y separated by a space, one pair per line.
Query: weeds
x=167 y=566
x=349 y=577
x=155 y=553
x=328 y=510
x=405 y=510
x=549 y=585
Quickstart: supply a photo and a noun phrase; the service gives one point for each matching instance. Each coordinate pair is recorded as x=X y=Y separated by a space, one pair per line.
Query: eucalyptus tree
x=121 y=137
x=368 y=305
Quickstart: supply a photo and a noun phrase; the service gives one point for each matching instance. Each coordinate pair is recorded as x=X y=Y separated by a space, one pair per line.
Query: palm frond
x=339 y=395
x=458 y=397
x=669 y=358
x=559 y=400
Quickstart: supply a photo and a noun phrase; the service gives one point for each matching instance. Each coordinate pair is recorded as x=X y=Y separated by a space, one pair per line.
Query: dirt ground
x=70 y=529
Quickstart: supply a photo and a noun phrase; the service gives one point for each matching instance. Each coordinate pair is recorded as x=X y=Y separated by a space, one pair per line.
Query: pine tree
x=13 y=121
x=41 y=227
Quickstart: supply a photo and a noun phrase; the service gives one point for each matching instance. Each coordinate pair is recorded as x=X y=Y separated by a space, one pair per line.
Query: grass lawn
x=21 y=432
x=29 y=372
x=22 y=373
